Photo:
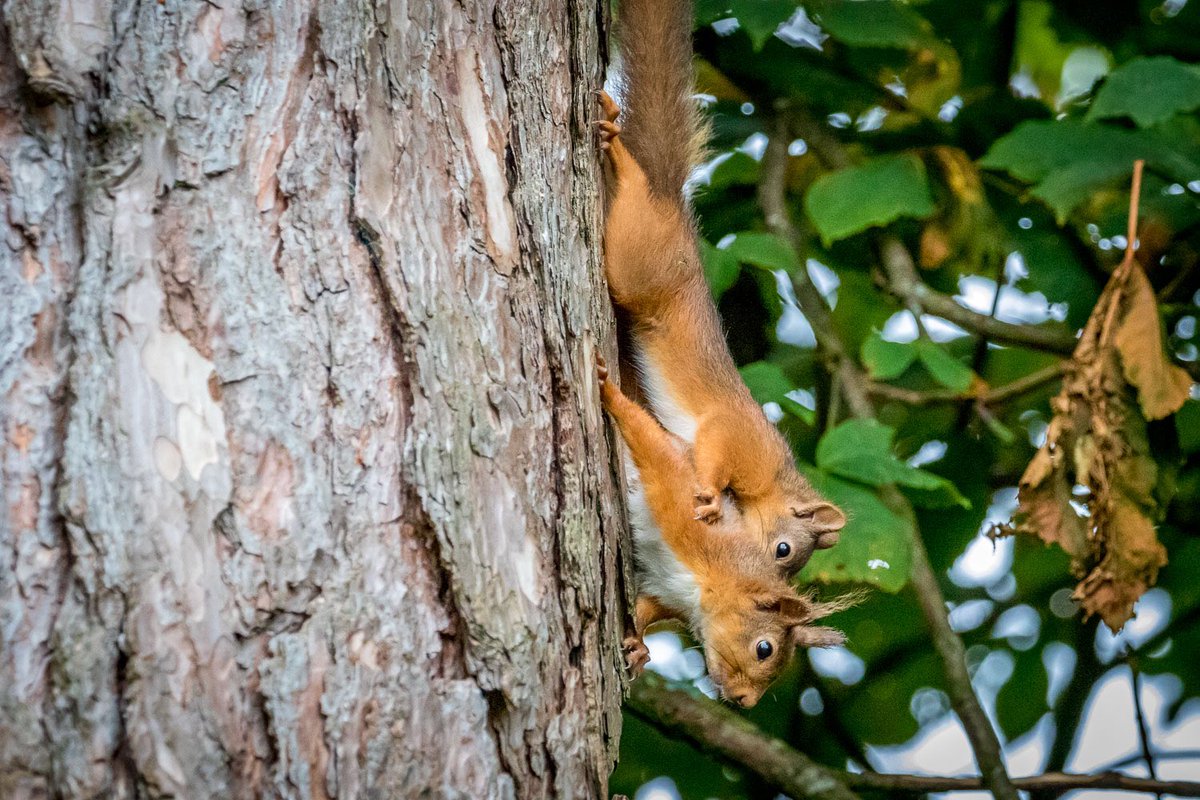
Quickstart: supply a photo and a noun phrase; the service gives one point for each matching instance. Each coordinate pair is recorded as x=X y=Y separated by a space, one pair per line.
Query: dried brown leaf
x=1130 y=566
x=1040 y=468
x=1097 y=440
x=1045 y=509
x=1162 y=387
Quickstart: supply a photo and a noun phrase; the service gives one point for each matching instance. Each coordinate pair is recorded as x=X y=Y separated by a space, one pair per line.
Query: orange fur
x=742 y=601
x=654 y=274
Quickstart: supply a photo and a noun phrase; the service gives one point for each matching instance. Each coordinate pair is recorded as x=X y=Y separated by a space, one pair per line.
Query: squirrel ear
x=825 y=518
x=791 y=607
x=817 y=636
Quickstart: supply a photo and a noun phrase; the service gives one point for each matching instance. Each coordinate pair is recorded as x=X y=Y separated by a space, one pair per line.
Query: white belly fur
x=659 y=571
x=662 y=400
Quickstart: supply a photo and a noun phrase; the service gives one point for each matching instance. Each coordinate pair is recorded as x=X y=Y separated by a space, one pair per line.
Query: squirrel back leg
x=647 y=611
x=713 y=468
x=661 y=456
x=646 y=238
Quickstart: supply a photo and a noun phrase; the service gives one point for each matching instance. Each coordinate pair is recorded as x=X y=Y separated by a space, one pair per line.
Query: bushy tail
x=662 y=125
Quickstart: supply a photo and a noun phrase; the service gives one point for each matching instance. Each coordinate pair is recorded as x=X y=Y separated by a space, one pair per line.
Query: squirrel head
x=750 y=636
x=805 y=527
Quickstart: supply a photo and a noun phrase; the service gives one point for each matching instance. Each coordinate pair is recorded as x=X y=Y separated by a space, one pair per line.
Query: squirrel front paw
x=609 y=129
x=708 y=505
x=608 y=390
x=637 y=655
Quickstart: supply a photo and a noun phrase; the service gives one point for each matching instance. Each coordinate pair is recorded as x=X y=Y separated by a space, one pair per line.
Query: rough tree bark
x=306 y=492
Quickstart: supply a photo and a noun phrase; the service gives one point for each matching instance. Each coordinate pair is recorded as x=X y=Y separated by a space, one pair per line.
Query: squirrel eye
x=763 y=649
x=783 y=550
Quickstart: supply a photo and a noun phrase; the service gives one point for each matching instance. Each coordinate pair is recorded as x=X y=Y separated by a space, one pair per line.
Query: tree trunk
x=306 y=490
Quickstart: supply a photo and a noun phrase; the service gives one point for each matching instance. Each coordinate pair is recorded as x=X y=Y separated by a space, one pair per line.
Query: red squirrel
x=654 y=273
x=711 y=576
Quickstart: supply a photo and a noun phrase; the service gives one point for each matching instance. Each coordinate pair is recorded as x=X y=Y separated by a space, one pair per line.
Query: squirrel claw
x=637 y=655
x=601 y=368
x=708 y=506
x=608 y=131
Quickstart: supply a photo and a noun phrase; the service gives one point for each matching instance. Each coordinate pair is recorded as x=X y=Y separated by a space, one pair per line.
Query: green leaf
x=1148 y=91
x=1069 y=160
x=861 y=308
x=764 y=250
x=739 y=169
x=1066 y=189
x=875 y=546
x=881 y=190
x=1187 y=423
x=861 y=450
x=768 y=384
x=1055 y=268
x=721 y=269
x=709 y=11
x=758 y=18
x=887 y=360
x=1037 y=148
x=945 y=368
x=875 y=23
x=761 y=18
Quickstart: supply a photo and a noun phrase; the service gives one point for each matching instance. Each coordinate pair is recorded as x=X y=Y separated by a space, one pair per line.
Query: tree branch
x=996 y=396
x=902 y=275
x=905 y=283
x=1050 y=781
x=772 y=193
x=715 y=729
x=853 y=383
x=719 y=730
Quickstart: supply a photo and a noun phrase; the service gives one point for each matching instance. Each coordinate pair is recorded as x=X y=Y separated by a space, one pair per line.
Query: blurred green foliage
x=995 y=138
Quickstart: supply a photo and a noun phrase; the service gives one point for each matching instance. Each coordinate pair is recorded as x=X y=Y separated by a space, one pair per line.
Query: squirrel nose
x=744 y=698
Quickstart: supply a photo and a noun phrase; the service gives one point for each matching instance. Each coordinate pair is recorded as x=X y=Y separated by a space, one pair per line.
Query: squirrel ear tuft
x=825 y=517
x=817 y=636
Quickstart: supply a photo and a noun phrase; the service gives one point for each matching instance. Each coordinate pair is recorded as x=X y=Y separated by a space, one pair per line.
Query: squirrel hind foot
x=609 y=131
x=637 y=655
x=608 y=106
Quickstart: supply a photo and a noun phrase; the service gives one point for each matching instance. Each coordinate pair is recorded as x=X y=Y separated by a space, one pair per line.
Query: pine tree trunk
x=305 y=485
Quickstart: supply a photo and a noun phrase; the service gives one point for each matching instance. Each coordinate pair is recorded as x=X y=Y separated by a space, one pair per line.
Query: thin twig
x=1161 y=755
x=1050 y=781
x=1135 y=680
x=992 y=397
x=772 y=199
x=1127 y=263
x=953 y=654
x=902 y=273
x=853 y=383
x=1072 y=701
x=905 y=283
